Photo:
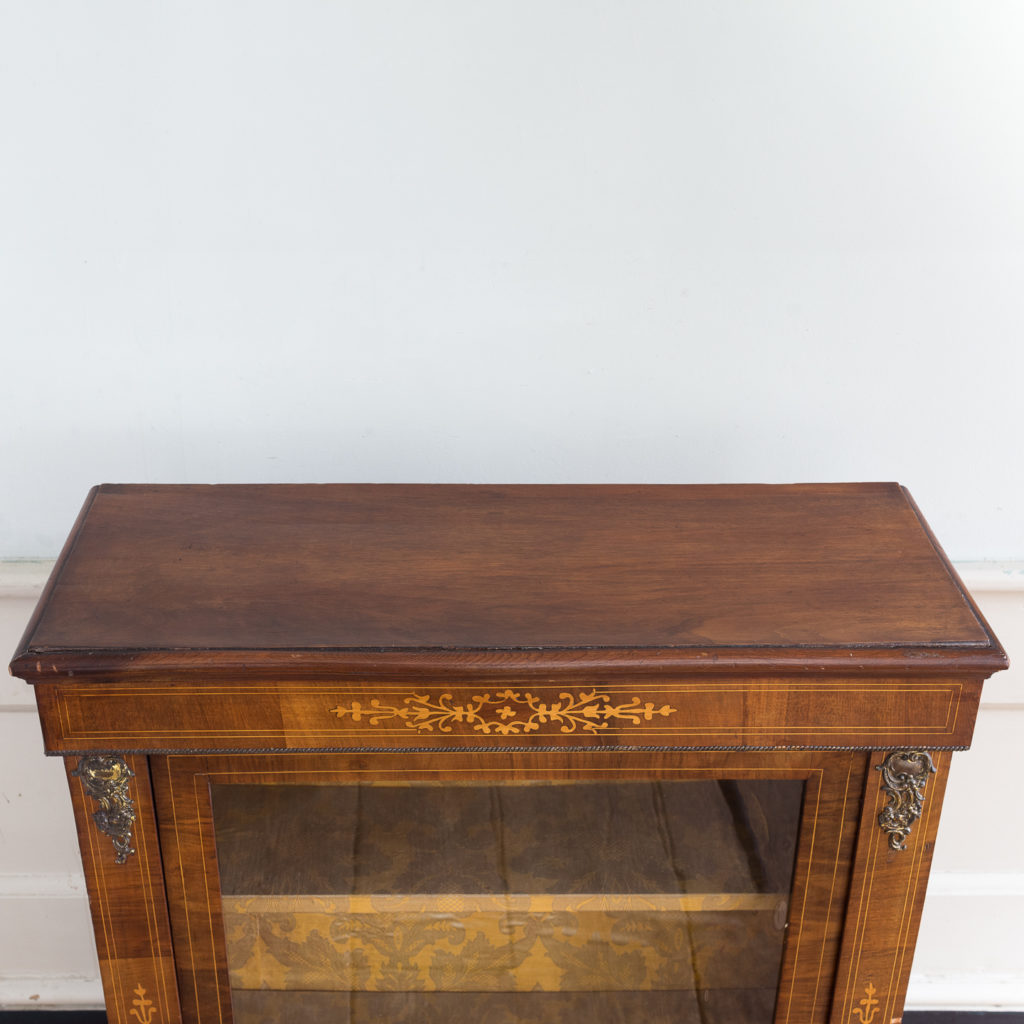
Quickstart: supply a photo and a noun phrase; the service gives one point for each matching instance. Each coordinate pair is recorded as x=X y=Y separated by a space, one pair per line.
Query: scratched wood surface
x=200 y=579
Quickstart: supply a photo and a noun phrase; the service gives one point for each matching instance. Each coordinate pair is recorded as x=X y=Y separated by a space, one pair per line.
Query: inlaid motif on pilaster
x=864 y=1012
x=144 y=1009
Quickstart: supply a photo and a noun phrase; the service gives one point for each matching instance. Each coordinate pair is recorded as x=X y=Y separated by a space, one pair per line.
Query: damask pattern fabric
x=540 y=889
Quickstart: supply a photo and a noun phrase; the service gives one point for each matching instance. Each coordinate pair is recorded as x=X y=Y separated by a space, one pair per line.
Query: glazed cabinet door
x=596 y=886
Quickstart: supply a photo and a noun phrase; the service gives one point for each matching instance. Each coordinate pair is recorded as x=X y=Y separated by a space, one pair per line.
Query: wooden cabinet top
x=295 y=581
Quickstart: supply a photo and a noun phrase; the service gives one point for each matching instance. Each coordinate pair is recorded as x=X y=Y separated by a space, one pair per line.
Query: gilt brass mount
x=904 y=774
x=105 y=778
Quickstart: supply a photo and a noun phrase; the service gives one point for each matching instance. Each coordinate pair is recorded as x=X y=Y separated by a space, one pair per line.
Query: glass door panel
x=528 y=902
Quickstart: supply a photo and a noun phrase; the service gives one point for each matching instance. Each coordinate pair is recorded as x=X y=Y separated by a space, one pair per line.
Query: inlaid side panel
x=903 y=799
x=820 y=886
x=121 y=856
x=190 y=865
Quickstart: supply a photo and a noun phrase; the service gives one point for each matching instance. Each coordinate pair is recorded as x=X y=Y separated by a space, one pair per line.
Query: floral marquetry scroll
x=507 y=713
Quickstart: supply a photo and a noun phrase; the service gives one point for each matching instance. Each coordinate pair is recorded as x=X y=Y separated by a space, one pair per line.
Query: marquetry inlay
x=507 y=712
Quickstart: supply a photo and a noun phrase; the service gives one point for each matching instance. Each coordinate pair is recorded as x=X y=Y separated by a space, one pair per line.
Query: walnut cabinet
x=354 y=753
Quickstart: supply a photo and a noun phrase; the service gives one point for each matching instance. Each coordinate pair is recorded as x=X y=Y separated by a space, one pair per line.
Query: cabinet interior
x=414 y=899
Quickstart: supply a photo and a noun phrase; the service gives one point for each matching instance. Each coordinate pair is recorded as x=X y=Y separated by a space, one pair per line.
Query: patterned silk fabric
x=547 y=888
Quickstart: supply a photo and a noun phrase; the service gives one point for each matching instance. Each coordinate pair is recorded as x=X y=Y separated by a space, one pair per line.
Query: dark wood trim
x=42 y=667
x=58 y=568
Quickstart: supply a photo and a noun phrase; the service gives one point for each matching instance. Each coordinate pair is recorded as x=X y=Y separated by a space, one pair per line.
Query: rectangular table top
x=292 y=577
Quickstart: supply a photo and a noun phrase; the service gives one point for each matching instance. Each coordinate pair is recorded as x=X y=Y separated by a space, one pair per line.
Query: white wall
x=622 y=240
x=665 y=240
x=972 y=930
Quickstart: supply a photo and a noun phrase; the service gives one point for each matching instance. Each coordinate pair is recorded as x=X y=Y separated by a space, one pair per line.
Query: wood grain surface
x=886 y=899
x=208 y=578
x=583 y=710
x=129 y=907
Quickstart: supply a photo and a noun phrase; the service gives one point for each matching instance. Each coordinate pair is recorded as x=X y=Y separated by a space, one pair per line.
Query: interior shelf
x=513 y=943
x=544 y=888
x=507 y=903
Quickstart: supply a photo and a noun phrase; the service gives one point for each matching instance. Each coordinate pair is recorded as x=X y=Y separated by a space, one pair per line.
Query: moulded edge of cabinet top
x=429 y=580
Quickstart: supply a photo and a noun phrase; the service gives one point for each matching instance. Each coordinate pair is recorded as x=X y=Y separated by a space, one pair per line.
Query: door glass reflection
x=662 y=901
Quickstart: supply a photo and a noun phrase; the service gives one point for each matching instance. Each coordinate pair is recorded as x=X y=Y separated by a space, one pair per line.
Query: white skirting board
x=47 y=957
x=972 y=931
x=978 y=919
